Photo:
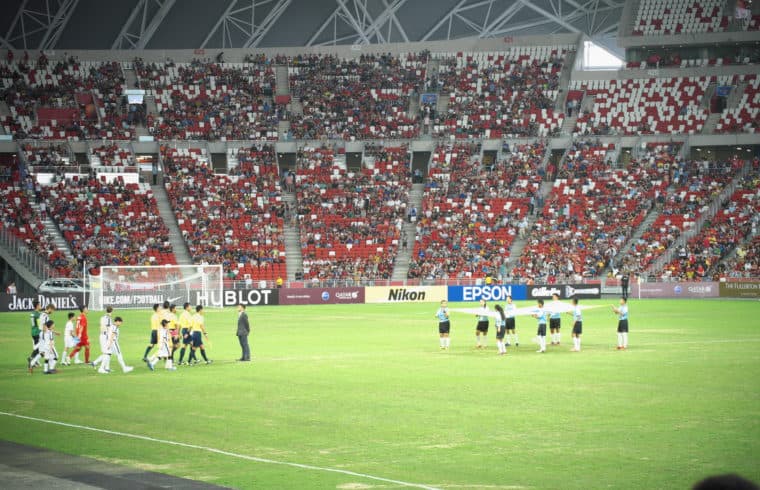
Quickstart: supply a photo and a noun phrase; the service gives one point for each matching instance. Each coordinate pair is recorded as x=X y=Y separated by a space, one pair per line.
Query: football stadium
x=380 y=244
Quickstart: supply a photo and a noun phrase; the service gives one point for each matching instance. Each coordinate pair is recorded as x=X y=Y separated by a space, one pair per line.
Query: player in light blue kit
x=444 y=325
x=540 y=314
x=555 y=319
x=622 y=329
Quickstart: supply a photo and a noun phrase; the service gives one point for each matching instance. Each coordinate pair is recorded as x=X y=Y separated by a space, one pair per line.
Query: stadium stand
x=511 y=93
x=471 y=214
x=23 y=221
x=655 y=17
x=362 y=98
x=234 y=220
x=109 y=223
x=350 y=221
x=591 y=212
x=67 y=100
x=204 y=100
x=746 y=116
x=643 y=106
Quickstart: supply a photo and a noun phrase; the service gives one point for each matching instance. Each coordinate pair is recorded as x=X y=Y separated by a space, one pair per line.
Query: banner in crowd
x=318 y=296
x=494 y=292
x=404 y=294
x=652 y=290
x=248 y=297
x=739 y=289
x=565 y=291
x=22 y=302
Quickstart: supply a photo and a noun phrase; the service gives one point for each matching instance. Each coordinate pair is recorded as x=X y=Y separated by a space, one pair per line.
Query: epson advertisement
x=497 y=292
x=565 y=291
x=61 y=301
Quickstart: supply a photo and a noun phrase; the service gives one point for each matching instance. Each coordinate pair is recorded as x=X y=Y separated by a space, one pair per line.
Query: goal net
x=143 y=286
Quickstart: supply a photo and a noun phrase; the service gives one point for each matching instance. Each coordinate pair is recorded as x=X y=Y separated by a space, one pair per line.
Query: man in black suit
x=243 y=329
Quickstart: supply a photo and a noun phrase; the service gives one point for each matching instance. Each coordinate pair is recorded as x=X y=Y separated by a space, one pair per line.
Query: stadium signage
x=739 y=289
x=248 y=297
x=496 y=292
x=132 y=299
x=565 y=291
x=15 y=302
x=318 y=296
x=676 y=290
x=416 y=294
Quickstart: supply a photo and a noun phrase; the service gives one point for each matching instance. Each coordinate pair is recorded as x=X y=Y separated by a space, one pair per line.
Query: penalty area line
x=220 y=451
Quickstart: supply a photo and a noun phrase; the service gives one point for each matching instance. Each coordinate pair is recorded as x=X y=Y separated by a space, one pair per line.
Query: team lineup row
x=168 y=332
x=505 y=323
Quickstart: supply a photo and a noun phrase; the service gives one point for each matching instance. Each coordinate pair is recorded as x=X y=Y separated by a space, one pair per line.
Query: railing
x=34 y=262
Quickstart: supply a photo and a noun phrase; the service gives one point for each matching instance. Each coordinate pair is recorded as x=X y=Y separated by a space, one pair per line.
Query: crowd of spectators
x=208 y=100
x=235 y=220
x=471 y=213
x=364 y=97
x=591 y=212
x=109 y=223
x=66 y=99
x=736 y=221
x=23 y=221
x=500 y=94
x=350 y=221
x=643 y=106
x=695 y=185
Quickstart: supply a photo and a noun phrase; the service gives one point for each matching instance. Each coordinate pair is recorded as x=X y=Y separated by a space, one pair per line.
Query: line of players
x=166 y=329
x=76 y=338
x=505 y=325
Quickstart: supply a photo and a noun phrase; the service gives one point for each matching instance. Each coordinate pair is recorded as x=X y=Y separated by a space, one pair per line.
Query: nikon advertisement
x=61 y=301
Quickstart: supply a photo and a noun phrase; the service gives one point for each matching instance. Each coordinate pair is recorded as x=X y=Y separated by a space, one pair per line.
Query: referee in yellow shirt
x=155 y=324
x=198 y=332
x=185 y=328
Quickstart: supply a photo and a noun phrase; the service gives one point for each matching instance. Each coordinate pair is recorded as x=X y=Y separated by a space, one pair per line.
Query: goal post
x=143 y=286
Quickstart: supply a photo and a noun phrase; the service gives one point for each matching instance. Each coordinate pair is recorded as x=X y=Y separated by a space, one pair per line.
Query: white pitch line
x=221 y=451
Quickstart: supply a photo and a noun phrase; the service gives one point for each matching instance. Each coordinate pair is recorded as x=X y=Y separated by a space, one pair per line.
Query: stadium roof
x=191 y=24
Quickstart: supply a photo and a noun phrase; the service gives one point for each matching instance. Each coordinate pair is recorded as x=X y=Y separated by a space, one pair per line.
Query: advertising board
x=496 y=292
x=565 y=291
x=739 y=289
x=675 y=290
x=319 y=296
x=404 y=294
x=23 y=302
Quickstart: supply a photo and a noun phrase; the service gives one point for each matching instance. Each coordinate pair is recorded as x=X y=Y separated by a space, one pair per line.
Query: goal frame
x=195 y=284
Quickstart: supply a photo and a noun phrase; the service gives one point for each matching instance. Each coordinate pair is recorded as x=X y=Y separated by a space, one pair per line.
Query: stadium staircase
x=401 y=265
x=282 y=85
x=4 y=109
x=564 y=81
x=518 y=245
x=52 y=231
x=293 y=257
x=181 y=252
x=414 y=106
x=715 y=206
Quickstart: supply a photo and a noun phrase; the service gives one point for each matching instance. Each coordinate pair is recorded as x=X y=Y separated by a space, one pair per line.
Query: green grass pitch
x=365 y=389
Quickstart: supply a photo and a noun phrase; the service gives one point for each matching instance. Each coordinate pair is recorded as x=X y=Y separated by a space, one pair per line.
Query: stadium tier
x=233 y=220
x=498 y=199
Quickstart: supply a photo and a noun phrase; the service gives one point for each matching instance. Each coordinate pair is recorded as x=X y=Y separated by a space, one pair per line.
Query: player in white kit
x=112 y=347
x=70 y=340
